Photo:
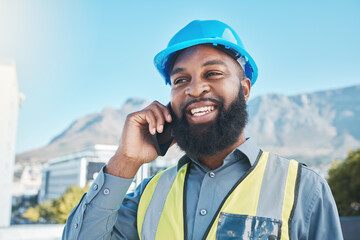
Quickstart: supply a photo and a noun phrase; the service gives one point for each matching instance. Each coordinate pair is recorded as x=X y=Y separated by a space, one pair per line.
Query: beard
x=207 y=139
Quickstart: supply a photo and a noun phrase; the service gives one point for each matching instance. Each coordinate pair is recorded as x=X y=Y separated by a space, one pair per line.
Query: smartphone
x=162 y=141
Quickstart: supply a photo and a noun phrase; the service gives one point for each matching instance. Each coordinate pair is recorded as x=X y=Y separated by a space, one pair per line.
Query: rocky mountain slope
x=98 y=128
x=314 y=128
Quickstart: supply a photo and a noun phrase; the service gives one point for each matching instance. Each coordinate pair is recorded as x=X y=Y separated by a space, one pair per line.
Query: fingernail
x=160 y=128
x=153 y=131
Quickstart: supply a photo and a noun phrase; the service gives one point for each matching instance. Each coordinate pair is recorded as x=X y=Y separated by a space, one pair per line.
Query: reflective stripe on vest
x=264 y=197
x=163 y=194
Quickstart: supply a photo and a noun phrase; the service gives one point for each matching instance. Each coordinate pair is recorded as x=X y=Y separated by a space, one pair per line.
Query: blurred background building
x=10 y=100
x=78 y=168
x=81 y=168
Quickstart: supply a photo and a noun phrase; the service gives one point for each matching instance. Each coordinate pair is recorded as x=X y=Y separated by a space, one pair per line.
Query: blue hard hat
x=205 y=32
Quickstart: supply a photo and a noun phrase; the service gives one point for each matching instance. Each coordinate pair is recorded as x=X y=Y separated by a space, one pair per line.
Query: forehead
x=202 y=53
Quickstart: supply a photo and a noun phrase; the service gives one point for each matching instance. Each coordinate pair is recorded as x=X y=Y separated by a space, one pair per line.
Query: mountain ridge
x=315 y=126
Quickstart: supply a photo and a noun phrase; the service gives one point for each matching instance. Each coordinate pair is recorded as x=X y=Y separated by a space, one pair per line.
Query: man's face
x=208 y=100
x=202 y=72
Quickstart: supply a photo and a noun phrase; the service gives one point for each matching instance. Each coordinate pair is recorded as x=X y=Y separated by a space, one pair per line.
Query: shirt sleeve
x=316 y=215
x=105 y=211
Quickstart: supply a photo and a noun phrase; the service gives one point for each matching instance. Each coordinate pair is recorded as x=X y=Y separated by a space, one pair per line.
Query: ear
x=246 y=85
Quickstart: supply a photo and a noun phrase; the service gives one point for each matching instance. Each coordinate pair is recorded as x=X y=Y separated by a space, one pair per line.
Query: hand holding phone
x=140 y=143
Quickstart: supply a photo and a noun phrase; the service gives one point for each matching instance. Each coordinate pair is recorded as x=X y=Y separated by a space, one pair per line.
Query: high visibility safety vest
x=259 y=206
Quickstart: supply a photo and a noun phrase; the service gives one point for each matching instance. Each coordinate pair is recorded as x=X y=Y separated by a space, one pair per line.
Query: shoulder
x=315 y=207
x=309 y=176
x=315 y=214
x=313 y=187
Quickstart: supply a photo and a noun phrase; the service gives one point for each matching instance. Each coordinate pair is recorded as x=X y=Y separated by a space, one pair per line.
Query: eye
x=213 y=74
x=179 y=81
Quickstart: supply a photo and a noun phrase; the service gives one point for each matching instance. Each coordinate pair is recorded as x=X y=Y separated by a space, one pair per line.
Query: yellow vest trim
x=144 y=200
x=174 y=201
x=289 y=197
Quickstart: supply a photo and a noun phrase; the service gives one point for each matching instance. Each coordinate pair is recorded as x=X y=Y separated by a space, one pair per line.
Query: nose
x=197 y=88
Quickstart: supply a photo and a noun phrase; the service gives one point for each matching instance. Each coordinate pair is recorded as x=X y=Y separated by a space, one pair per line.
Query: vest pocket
x=234 y=226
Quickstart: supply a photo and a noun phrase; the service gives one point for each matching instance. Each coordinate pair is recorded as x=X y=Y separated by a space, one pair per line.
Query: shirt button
x=106 y=191
x=212 y=174
x=95 y=187
x=231 y=233
x=203 y=212
x=76 y=225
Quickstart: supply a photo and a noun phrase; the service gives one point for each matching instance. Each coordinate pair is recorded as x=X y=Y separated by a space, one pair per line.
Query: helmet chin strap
x=242 y=62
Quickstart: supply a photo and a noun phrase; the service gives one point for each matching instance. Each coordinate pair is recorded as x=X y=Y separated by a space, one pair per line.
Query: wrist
x=122 y=166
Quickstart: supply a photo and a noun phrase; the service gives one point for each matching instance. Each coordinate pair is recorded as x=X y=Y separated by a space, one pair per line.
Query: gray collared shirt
x=106 y=212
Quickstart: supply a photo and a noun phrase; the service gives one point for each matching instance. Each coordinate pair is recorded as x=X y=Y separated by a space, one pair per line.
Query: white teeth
x=202 y=110
x=199 y=114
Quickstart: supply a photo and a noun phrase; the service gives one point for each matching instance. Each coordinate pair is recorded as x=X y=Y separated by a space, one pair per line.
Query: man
x=225 y=187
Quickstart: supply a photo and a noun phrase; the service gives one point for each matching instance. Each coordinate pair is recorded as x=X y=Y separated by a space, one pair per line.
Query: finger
x=151 y=120
x=160 y=117
x=164 y=110
x=162 y=114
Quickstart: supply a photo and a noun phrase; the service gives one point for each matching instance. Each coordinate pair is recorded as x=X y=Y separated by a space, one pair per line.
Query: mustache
x=218 y=102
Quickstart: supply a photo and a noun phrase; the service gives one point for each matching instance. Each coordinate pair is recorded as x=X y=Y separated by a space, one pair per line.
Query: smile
x=202 y=110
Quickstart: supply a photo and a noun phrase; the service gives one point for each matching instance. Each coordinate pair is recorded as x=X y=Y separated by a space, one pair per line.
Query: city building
x=10 y=101
x=79 y=168
x=28 y=183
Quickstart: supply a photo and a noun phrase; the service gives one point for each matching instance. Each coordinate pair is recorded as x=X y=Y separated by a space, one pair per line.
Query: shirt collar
x=249 y=148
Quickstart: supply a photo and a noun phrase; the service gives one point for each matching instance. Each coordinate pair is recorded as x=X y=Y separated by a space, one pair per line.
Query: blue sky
x=77 y=57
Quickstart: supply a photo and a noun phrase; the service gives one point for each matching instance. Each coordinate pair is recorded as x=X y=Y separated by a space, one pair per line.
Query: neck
x=217 y=160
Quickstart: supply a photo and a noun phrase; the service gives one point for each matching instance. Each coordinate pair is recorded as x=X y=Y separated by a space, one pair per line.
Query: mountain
x=315 y=128
x=97 y=128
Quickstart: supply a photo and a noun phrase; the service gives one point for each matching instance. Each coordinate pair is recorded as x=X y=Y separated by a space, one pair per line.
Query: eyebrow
x=176 y=70
x=214 y=62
